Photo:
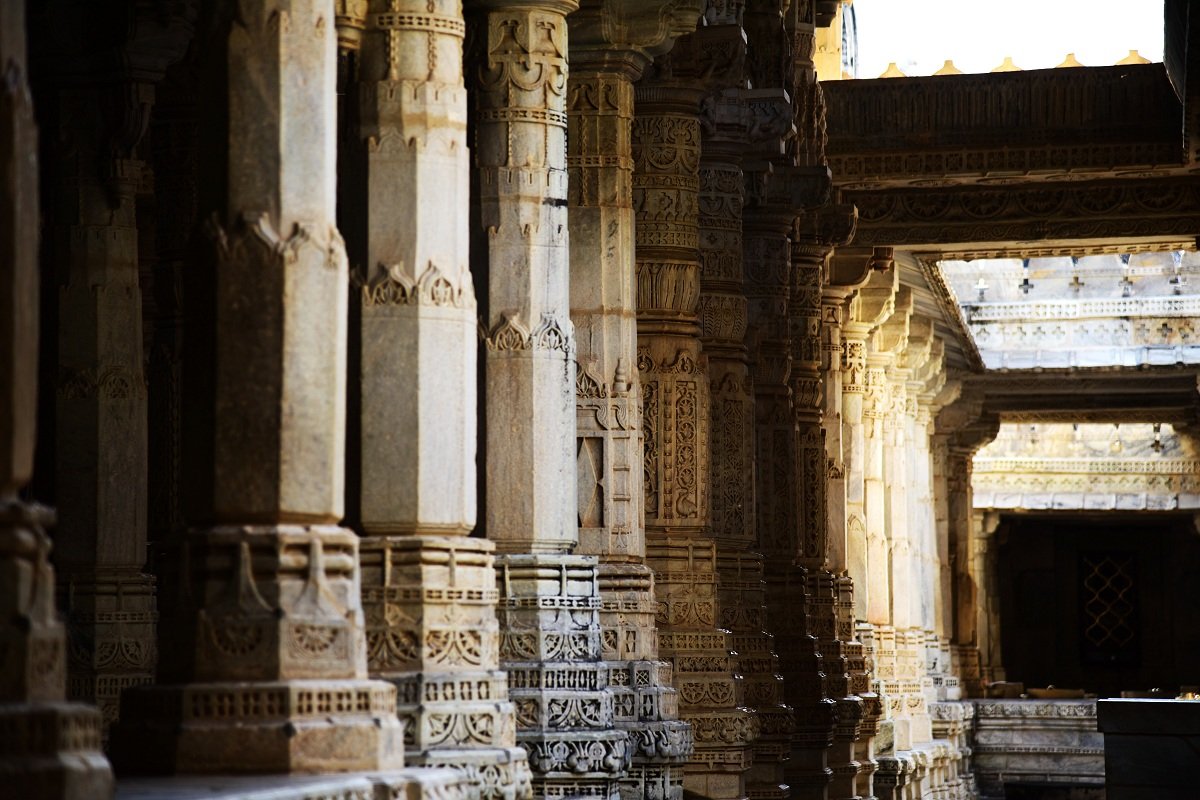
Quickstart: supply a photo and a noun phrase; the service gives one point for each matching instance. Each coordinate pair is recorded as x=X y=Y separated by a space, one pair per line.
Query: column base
x=497 y=773
x=262 y=727
x=110 y=616
x=51 y=751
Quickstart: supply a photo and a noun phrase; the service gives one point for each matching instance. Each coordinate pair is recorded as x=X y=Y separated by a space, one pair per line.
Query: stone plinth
x=1151 y=748
x=550 y=648
x=269 y=634
x=1036 y=741
x=48 y=748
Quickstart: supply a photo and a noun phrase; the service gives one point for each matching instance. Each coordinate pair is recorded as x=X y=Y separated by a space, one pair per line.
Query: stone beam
x=1028 y=126
x=1091 y=214
x=1153 y=395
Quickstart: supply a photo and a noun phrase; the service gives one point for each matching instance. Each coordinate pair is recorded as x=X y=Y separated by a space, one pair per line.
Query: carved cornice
x=1035 y=124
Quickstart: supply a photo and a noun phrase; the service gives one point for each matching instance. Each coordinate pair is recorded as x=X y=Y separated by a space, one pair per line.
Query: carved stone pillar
x=549 y=599
x=267 y=669
x=675 y=407
x=428 y=590
x=964 y=428
x=100 y=415
x=611 y=45
x=848 y=269
x=870 y=304
x=884 y=344
x=100 y=419
x=49 y=748
x=728 y=118
x=813 y=238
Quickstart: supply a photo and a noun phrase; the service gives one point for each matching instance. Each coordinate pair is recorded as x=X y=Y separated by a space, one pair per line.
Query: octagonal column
x=675 y=405
x=100 y=400
x=729 y=119
x=429 y=590
x=549 y=598
x=868 y=306
x=611 y=45
x=48 y=748
x=267 y=668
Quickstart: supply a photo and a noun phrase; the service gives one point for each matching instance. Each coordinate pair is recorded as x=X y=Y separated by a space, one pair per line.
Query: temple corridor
x=590 y=400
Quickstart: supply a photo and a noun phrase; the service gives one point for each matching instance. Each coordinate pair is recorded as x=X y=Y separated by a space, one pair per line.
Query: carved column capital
x=627 y=35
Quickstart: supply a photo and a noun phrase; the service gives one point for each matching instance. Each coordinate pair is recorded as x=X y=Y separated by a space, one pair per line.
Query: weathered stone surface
x=264 y=666
x=48 y=748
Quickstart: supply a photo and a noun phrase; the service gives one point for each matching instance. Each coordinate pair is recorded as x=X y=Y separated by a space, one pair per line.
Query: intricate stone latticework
x=549 y=599
x=264 y=668
x=675 y=407
x=429 y=592
x=48 y=748
x=611 y=45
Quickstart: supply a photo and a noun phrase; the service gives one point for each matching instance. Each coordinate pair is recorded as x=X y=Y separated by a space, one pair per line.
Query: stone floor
x=414 y=784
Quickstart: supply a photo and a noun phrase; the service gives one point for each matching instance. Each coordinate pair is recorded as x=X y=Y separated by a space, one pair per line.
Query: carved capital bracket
x=626 y=35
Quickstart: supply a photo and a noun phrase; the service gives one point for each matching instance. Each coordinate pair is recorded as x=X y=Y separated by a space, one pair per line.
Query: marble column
x=611 y=45
x=866 y=309
x=428 y=589
x=100 y=419
x=886 y=342
x=550 y=641
x=848 y=269
x=267 y=669
x=961 y=428
x=813 y=239
x=728 y=118
x=675 y=406
x=48 y=748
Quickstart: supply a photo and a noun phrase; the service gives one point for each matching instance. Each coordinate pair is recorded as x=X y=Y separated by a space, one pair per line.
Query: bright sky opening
x=919 y=35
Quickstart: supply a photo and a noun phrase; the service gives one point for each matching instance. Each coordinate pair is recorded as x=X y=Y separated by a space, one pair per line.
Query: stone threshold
x=408 y=784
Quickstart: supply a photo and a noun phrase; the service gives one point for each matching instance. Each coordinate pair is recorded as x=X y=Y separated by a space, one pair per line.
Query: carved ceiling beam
x=1086 y=215
x=1004 y=127
x=1147 y=395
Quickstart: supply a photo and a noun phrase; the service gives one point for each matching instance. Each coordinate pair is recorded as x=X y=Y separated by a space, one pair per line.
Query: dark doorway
x=1104 y=602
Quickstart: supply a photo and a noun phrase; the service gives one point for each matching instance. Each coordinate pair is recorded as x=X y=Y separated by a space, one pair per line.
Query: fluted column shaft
x=267 y=596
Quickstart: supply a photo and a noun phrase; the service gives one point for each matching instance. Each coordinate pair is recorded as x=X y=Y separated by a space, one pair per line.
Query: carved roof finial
x=1070 y=61
x=1007 y=66
x=949 y=69
x=1134 y=57
x=892 y=71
